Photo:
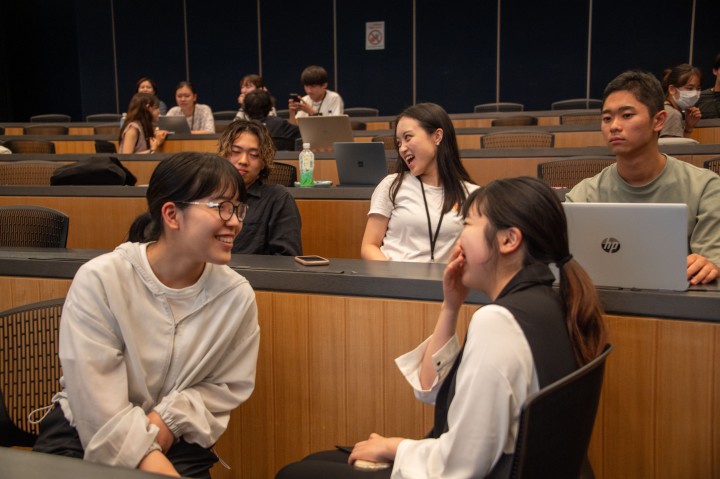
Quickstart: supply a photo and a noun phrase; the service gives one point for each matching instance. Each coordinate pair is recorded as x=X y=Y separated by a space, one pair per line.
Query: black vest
x=538 y=310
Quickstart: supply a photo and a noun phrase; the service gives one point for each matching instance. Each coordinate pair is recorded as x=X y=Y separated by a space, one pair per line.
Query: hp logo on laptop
x=610 y=245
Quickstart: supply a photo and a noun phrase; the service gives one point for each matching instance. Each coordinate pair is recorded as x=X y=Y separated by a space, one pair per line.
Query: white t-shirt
x=407 y=237
x=331 y=105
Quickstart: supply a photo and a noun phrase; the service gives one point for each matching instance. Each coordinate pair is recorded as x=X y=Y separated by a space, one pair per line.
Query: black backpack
x=95 y=170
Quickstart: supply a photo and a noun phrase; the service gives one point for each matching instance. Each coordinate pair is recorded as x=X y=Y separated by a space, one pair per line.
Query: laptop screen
x=322 y=131
x=174 y=124
x=360 y=164
x=631 y=245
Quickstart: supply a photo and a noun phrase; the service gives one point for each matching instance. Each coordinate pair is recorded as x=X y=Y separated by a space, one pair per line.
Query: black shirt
x=272 y=223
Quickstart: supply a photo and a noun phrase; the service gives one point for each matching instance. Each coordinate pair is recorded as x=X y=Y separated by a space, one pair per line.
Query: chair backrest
x=51 y=118
x=515 y=120
x=30 y=367
x=103 y=117
x=104 y=146
x=518 y=139
x=556 y=424
x=45 y=130
x=33 y=227
x=282 y=174
x=283 y=113
x=283 y=144
x=569 y=172
x=387 y=140
x=107 y=130
x=576 y=104
x=31 y=172
x=713 y=165
x=361 y=111
x=30 y=146
x=485 y=107
x=580 y=119
x=225 y=115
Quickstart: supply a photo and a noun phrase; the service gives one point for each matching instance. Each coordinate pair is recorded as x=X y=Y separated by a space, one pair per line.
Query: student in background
x=159 y=338
x=199 y=117
x=272 y=224
x=146 y=85
x=248 y=84
x=529 y=336
x=709 y=102
x=681 y=85
x=632 y=117
x=258 y=106
x=318 y=100
x=415 y=212
x=138 y=134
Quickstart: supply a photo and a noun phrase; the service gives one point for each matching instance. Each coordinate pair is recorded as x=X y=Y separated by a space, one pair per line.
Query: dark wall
x=59 y=56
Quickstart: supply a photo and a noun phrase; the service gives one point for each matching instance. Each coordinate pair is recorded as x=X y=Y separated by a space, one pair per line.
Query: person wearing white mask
x=681 y=85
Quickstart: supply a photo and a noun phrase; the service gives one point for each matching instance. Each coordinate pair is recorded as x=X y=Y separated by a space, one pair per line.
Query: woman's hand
x=376 y=449
x=692 y=117
x=165 y=437
x=454 y=291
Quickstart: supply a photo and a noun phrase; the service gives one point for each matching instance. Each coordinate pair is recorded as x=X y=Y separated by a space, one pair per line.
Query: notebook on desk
x=360 y=164
x=322 y=131
x=174 y=125
x=630 y=245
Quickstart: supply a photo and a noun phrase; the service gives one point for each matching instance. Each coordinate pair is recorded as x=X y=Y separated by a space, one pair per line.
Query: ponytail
x=142 y=230
x=583 y=311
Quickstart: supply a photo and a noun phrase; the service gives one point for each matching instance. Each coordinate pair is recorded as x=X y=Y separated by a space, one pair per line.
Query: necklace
x=317 y=109
x=433 y=239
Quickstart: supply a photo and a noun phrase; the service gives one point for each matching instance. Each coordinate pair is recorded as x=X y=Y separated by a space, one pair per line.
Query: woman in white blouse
x=199 y=117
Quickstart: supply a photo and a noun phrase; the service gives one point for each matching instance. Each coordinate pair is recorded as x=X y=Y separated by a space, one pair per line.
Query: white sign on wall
x=375 y=36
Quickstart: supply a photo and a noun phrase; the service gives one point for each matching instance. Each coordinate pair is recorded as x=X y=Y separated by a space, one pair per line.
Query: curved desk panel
x=326 y=374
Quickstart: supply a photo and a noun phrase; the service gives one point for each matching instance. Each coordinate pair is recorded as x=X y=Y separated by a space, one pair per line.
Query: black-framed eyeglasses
x=225 y=208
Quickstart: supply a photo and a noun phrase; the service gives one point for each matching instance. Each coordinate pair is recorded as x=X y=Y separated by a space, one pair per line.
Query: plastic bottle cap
x=306 y=146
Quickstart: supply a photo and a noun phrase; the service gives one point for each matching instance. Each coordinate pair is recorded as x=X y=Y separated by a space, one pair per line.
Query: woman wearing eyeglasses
x=272 y=225
x=159 y=338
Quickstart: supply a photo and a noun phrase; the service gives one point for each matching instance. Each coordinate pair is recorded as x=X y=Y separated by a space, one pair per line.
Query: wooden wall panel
x=291 y=393
x=328 y=371
x=629 y=402
x=684 y=399
x=326 y=376
x=333 y=228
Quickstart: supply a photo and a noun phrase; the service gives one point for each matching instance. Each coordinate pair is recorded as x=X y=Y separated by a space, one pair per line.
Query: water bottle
x=307 y=164
x=122 y=120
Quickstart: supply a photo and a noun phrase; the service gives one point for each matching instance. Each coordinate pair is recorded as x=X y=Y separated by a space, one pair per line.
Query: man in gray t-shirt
x=632 y=117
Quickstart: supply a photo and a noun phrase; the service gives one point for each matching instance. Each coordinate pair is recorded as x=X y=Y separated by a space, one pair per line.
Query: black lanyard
x=433 y=239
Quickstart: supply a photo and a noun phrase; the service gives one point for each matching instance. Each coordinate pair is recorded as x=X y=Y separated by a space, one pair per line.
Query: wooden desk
x=326 y=374
x=333 y=220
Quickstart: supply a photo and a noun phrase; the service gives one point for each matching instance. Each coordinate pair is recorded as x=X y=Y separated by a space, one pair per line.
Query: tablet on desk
x=174 y=124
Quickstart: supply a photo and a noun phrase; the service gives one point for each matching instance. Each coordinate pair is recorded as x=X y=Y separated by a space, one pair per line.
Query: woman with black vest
x=529 y=336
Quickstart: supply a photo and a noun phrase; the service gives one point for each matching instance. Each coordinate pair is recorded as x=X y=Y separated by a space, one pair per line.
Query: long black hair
x=451 y=171
x=180 y=178
x=532 y=207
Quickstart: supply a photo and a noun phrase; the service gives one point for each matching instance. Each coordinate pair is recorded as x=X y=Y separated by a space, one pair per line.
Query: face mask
x=687 y=98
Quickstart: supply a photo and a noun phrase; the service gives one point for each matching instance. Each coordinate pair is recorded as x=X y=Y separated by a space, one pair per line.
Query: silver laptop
x=174 y=124
x=322 y=131
x=360 y=164
x=631 y=245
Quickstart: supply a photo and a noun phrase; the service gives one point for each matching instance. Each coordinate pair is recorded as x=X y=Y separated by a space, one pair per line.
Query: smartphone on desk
x=312 y=260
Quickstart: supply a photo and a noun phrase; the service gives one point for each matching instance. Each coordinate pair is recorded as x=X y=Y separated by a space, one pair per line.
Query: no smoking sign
x=375 y=36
